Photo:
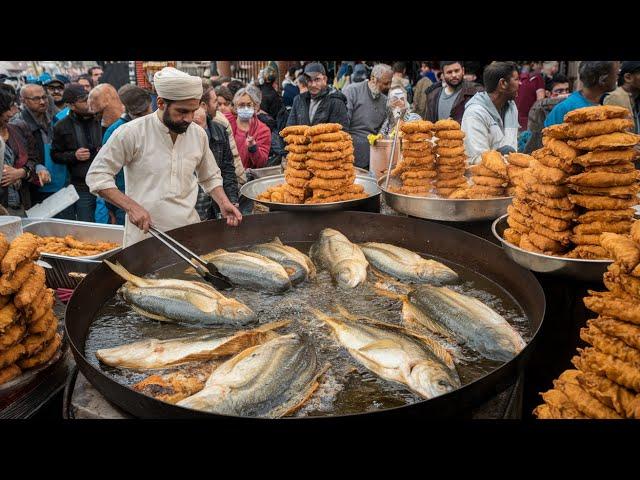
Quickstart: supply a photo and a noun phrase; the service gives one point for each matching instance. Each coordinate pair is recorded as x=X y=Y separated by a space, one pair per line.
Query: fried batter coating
x=412 y=190
x=512 y=236
x=600 y=227
x=554 y=212
x=555 y=224
x=518 y=216
x=414 y=182
x=560 y=148
x=482 y=170
x=600 y=127
x=552 y=161
x=21 y=249
x=8 y=315
x=562 y=236
x=588 y=252
x=46 y=354
x=544 y=243
x=559 y=131
x=34 y=343
x=624 y=167
x=450 y=143
x=446 y=124
x=416 y=137
x=493 y=160
x=324 y=128
x=450 y=183
x=418 y=126
x=295 y=191
x=328 y=137
x=459 y=193
x=296 y=139
x=586 y=239
x=611 y=394
x=522 y=206
x=627 y=332
x=31 y=288
x=453 y=162
x=11 y=355
x=561 y=406
x=325 y=156
x=295 y=157
x=627 y=191
x=621 y=248
x=549 y=191
x=606 y=142
x=596 y=202
x=584 y=402
x=9 y=373
x=451 y=152
x=419 y=154
x=418 y=173
x=456 y=174
x=521 y=160
x=294 y=130
x=42 y=324
x=296 y=182
x=490 y=181
x=4 y=246
x=292 y=172
x=451 y=134
x=606 y=216
x=598 y=112
x=11 y=283
x=341 y=197
x=622 y=373
x=332 y=174
x=518 y=226
x=482 y=191
x=329 y=147
x=445 y=191
x=299 y=149
x=424 y=146
x=607 y=157
x=513 y=171
x=604 y=179
x=12 y=335
x=606 y=304
x=549 y=175
x=610 y=345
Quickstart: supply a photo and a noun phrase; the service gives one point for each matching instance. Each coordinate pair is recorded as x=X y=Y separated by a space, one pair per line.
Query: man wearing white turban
x=160 y=153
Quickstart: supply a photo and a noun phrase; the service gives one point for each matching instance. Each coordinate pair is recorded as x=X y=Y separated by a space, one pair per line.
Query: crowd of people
x=53 y=130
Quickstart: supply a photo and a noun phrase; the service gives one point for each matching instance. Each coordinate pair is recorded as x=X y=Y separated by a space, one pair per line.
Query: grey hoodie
x=484 y=129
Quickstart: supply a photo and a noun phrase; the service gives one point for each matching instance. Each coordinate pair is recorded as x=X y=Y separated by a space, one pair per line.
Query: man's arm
x=59 y=150
x=349 y=92
x=293 y=114
x=137 y=214
x=340 y=114
x=228 y=171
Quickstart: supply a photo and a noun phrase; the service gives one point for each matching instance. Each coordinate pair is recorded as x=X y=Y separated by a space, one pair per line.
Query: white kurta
x=159 y=175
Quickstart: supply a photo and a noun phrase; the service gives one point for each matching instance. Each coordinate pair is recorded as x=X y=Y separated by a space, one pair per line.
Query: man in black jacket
x=76 y=141
x=271 y=99
x=448 y=101
x=319 y=104
x=221 y=149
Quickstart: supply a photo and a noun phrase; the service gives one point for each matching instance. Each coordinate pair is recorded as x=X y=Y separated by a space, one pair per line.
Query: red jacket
x=262 y=135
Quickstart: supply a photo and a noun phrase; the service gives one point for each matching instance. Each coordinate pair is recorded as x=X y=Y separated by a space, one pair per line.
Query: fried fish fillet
x=12 y=335
x=526 y=244
x=512 y=236
x=9 y=373
x=328 y=137
x=600 y=227
x=615 y=274
x=21 y=249
x=294 y=130
x=46 y=354
x=482 y=191
x=521 y=206
x=450 y=182
x=517 y=226
x=11 y=355
x=8 y=315
x=599 y=127
x=604 y=179
x=417 y=137
x=519 y=217
x=622 y=373
x=561 y=406
x=624 y=402
x=635 y=232
x=450 y=143
x=341 y=197
x=598 y=112
x=422 y=145
x=34 y=343
x=329 y=146
x=493 y=160
x=450 y=175
x=551 y=223
x=418 y=126
x=606 y=304
x=543 y=412
x=624 y=167
x=627 y=332
x=554 y=212
x=560 y=148
x=549 y=191
x=296 y=182
x=415 y=182
x=610 y=345
x=584 y=402
x=559 y=131
x=451 y=152
x=306 y=174
x=451 y=134
x=446 y=124
x=324 y=128
x=519 y=159
x=621 y=248
x=544 y=243
x=606 y=216
x=586 y=239
x=4 y=246
x=418 y=173
x=596 y=202
x=41 y=324
x=607 y=157
x=549 y=175
x=31 y=288
x=588 y=252
x=606 y=142
x=490 y=181
x=562 y=236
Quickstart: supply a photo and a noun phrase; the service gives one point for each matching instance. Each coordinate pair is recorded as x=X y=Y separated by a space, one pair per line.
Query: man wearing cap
x=320 y=104
x=160 y=153
x=271 y=99
x=627 y=94
x=76 y=141
x=55 y=88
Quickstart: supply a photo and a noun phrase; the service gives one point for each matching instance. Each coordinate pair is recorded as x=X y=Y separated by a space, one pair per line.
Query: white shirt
x=159 y=175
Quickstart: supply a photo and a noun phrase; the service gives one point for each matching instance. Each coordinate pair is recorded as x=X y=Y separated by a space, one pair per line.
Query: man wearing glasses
x=55 y=88
x=320 y=104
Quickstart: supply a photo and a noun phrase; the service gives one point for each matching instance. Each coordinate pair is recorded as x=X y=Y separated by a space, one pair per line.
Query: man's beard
x=452 y=85
x=175 y=127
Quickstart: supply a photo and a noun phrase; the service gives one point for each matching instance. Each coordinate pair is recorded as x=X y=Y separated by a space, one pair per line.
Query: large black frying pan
x=460 y=247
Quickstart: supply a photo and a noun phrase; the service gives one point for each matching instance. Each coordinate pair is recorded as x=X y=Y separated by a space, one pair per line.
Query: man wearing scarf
x=160 y=153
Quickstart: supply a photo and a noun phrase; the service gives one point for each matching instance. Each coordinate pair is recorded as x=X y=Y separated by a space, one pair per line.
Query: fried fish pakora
x=341 y=197
x=559 y=131
x=599 y=127
x=295 y=191
x=559 y=405
x=606 y=142
x=4 y=246
x=8 y=315
x=325 y=156
x=596 y=202
x=604 y=179
x=635 y=231
x=513 y=171
x=606 y=304
x=630 y=285
x=11 y=283
x=622 y=249
x=627 y=332
x=519 y=217
x=417 y=137
x=12 y=335
x=448 y=176
x=328 y=137
x=43 y=324
x=553 y=203
x=324 y=128
x=298 y=149
x=519 y=159
x=450 y=143
x=484 y=190
x=418 y=126
x=583 y=401
x=493 y=160
x=606 y=216
x=512 y=236
x=451 y=134
x=525 y=243
x=422 y=154
x=296 y=139
x=451 y=152
x=552 y=161
x=31 y=288
x=418 y=173
x=482 y=170
x=611 y=394
x=288 y=198
x=34 y=343
x=521 y=206
x=423 y=146
x=610 y=345
x=560 y=148
x=554 y=212
x=11 y=355
x=562 y=236
x=292 y=172
x=450 y=182
x=490 y=181
x=296 y=182
x=46 y=354
x=294 y=130
x=586 y=239
x=606 y=157
x=598 y=112
x=446 y=124
x=622 y=373
x=21 y=249
x=549 y=191
x=600 y=227
x=544 y=243
x=550 y=175
x=551 y=223
x=410 y=190
x=588 y=252
x=445 y=191
x=9 y=373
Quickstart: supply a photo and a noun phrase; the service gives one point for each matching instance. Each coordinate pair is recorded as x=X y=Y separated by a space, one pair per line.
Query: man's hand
x=12 y=175
x=44 y=176
x=250 y=141
x=83 y=154
x=231 y=213
x=139 y=217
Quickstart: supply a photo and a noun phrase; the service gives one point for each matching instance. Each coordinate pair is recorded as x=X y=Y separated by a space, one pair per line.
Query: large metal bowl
x=445 y=209
x=254 y=188
x=277 y=170
x=584 y=270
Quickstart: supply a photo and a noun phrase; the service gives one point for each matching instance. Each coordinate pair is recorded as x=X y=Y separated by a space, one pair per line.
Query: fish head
x=350 y=274
x=431 y=379
x=237 y=310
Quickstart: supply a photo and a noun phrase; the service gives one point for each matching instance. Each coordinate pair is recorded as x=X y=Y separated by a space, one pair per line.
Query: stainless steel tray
x=278 y=170
x=256 y=187
x=578 y=269
x=450 y=210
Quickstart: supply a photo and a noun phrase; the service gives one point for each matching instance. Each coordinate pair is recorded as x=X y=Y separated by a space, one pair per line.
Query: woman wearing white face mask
x=252 y=137
x=397 y=104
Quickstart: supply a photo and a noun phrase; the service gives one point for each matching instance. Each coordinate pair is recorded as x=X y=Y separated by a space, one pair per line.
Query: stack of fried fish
x=331 y=162
x=417 y=167
x=608 y=185
x=489 y=178
x=606 y=384
x=451 y=160
x=28 y=326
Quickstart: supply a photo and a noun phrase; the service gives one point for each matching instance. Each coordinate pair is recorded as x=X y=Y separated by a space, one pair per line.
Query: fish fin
x=296 y=403
x=150 y=315
x=272 y=326
x=277 y=240
x=379 y=345
x=125 y=274
x=256 y=255
x=217 y=251
x=437 y=348
x=199 y=302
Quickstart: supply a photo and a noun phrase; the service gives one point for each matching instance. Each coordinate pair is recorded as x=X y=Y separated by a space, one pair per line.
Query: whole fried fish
x=344 y=260
x=269 y=380
x=298 y=265
x=249 y=269
x=153 y=353
x=180 y=300
x=405 y=264
x=395 y=354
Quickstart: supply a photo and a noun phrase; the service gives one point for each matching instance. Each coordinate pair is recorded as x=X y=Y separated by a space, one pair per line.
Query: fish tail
x=267 y=327
x=125 y=274
x=388 y=293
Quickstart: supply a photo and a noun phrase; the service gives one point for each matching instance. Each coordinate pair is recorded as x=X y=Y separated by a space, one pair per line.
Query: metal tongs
x=399 y=115
x=206 y=270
